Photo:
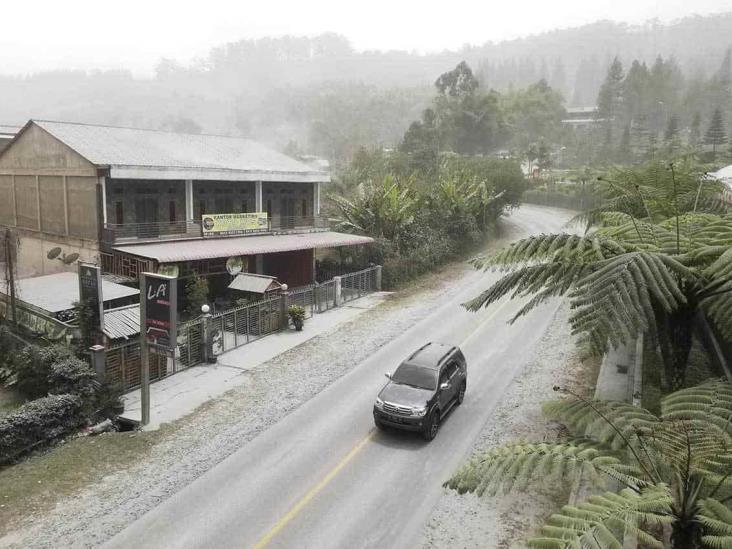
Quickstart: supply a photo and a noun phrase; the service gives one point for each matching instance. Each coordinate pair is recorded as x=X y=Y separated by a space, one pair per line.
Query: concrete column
x=338 y=296
x=258 y=196
x=98 y=360
x=103 y=184
x=284 y=305
x=378 y=278
x=316 y=196
x=259 y=264
x=208 y=353
x=189 y=199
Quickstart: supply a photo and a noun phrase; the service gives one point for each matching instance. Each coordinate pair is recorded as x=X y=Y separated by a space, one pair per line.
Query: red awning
x=210 y=248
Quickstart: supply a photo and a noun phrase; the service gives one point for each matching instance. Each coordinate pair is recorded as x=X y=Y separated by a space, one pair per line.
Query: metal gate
x=241 y=325
x=124 y=365
x=355 y=285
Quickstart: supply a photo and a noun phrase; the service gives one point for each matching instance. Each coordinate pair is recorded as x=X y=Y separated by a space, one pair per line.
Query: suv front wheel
x=433 y=425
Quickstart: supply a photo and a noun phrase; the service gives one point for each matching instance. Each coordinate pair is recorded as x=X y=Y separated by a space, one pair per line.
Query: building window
x=304 y=208
x=202 y=208
x=245 y=206
x=171 y=210
x=119 y=213
x=269 y=209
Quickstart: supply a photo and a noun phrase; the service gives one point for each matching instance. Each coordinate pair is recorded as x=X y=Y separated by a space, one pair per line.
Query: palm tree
x=672 y=471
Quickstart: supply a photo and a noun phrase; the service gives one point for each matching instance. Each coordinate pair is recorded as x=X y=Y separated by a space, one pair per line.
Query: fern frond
x=716 y=519
x=516 y=466
x=709 y=404
x=602 y=521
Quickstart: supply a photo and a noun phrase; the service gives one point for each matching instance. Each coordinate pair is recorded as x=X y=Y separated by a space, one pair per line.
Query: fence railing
x=115 y=233
x=236 y=327
x=354 y=285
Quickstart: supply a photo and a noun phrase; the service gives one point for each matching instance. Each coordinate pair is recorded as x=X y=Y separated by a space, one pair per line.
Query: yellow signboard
x=234 y=223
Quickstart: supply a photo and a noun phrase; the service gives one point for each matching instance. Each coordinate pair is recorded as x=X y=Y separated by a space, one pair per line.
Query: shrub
x=72 y=376
x=37 y=423
x=32 y=368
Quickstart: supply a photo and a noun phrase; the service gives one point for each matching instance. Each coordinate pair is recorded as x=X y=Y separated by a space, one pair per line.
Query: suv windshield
x=416 y=376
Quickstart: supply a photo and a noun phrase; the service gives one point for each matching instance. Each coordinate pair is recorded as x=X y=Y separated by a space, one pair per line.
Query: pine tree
x=695 y=129
x=715 y=133
x=672 y=129
x=611 y=91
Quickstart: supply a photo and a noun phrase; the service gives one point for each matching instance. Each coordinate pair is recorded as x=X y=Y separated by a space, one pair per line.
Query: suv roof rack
x=439 y=358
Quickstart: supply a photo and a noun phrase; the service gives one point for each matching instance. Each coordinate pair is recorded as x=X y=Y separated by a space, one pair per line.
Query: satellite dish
x=169 y=270
x=69 y=259
x=53 y=253
x=234 y=265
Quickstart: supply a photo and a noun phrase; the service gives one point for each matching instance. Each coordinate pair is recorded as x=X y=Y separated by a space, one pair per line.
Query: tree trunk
x=686 y=535
x=675 y=342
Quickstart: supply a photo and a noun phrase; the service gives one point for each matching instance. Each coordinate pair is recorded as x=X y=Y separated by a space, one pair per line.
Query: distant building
x=138 y=200
x=581 y=117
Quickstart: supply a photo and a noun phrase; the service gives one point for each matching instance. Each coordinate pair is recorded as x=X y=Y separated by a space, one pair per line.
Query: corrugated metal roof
x=190 y=250
x=250 y=282
x=122 y=323
x=8 y=131
x=160 y=150
x=57 y=292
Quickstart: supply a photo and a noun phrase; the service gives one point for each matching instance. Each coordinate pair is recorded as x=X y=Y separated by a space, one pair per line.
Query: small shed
x=255 y=283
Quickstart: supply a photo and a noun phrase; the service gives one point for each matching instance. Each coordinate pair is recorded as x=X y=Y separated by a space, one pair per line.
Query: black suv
x=423 y=389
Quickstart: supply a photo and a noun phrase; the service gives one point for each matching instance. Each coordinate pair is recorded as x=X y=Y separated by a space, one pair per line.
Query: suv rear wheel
x=433 y=425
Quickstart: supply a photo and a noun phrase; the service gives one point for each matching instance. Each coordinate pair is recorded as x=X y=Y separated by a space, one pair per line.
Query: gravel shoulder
x=503 y=522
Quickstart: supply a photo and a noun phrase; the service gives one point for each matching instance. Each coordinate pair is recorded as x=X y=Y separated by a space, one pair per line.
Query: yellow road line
x=485 y=321
x=295 y=510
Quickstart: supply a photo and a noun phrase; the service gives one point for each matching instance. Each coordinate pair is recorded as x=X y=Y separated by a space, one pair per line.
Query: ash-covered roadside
x=467 y=521
x=191 y=446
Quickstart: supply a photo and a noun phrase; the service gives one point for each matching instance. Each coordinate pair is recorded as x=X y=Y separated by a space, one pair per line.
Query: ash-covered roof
x=132 y=152
x=123 y=322
x=58 y=292
x=209 y=248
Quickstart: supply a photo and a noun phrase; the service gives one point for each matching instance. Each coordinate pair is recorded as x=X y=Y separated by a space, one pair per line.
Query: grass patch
x=36 y=484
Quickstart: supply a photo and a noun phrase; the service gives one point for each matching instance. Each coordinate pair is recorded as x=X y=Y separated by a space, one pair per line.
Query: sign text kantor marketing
x=234 y=223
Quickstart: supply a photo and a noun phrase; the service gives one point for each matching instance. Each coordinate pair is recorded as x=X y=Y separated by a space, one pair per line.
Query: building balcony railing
x=191 y=229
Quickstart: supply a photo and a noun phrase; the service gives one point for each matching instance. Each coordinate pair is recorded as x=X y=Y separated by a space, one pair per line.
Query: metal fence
x=234 y=327
x=355 y=285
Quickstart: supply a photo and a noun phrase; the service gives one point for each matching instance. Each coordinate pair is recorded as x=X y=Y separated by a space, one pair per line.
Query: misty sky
x=135 y=34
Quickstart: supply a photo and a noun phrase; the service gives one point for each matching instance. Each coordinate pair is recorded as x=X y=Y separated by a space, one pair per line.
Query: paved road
x=324 y=476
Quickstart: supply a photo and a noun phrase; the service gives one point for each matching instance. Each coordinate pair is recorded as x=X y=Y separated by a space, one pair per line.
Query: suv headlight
x=379 y=403
x=419 y=412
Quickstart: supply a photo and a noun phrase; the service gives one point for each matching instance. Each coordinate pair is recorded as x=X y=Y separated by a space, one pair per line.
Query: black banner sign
x=158 y=309
x=90 y=292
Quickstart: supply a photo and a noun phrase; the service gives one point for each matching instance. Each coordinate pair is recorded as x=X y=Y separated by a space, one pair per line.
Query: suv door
x=447 y=375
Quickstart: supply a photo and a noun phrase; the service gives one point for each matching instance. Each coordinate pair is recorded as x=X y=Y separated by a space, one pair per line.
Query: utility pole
x=10 y=272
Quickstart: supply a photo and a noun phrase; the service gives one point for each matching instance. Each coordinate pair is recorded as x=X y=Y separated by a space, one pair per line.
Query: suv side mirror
x=388 y=375
x=445 y=386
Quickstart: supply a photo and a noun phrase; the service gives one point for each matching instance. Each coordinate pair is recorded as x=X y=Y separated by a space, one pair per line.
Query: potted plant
x=297 y=316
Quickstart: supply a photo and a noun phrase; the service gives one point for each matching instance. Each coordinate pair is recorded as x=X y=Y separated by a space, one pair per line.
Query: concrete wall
x=48 y=194
x=34 y=247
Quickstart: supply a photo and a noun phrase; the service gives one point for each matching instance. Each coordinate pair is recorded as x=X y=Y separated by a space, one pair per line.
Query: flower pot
x=298 y=324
